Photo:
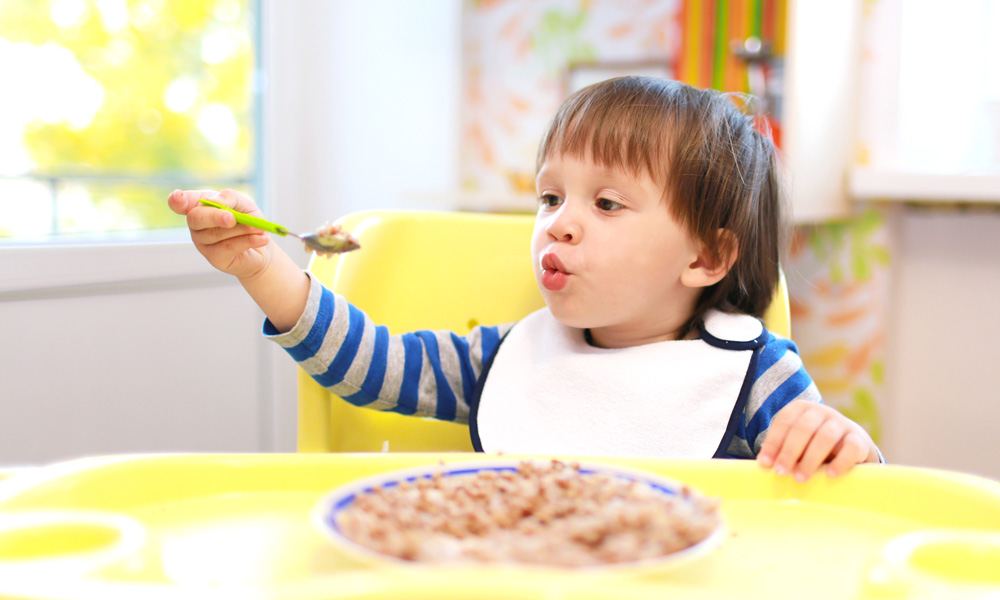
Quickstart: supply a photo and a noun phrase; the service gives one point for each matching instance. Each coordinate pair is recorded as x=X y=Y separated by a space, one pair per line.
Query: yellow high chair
x=428 y=270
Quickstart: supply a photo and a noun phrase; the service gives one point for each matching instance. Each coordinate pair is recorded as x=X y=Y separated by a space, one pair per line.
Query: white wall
x=364 y=98
x=943 y=368
x=166 y=365
x=128 y=347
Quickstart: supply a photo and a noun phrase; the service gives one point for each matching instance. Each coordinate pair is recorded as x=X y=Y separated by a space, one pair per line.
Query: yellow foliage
x=134 y=134
x=190 y=14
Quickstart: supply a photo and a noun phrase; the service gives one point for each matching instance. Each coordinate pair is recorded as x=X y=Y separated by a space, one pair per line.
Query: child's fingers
x=853 y=450
x=225 y=251
x=202 y=217
x=796 y=440
x=181 y=201
x=824 y=443
x=211 y=224
x=237 y=202
x=232 y=248
x=776 y=433
x=224 y=238
x=199 y=216
x=805 y=435
x=785 y=439
x=176 y=202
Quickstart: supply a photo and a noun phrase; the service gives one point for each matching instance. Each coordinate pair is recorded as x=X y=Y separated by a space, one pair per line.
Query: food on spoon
x=550 y=514
x=331 y=240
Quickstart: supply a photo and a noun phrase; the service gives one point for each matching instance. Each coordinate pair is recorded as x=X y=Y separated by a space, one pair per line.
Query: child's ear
x=707 y=269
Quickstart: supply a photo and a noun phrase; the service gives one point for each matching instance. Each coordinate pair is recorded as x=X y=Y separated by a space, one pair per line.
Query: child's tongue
x=554 y=280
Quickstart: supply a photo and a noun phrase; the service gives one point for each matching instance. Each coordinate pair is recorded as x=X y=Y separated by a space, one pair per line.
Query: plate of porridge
x=522 y=513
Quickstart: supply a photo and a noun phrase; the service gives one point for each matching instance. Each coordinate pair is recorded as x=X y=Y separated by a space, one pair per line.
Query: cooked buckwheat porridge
x=542 y=513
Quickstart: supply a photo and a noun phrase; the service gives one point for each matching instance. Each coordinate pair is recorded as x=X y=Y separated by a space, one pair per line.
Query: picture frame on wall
x=581 y=74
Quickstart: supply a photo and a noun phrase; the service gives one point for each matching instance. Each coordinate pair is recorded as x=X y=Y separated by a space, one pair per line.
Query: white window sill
x=125 y=262
x=868 y=183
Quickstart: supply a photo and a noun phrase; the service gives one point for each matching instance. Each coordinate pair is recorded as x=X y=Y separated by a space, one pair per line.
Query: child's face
x=608 y=255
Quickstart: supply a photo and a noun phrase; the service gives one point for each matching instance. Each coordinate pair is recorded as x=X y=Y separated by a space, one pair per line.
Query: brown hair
x=717 y=170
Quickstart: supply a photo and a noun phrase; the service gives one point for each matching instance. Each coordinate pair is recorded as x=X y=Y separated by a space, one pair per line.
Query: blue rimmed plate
x=327 y=513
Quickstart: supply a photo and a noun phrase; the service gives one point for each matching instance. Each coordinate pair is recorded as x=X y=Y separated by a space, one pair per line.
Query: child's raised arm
x=271 y=277
x=804 y=435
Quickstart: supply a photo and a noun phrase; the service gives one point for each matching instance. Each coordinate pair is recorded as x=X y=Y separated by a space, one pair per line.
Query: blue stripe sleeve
x=446 y=401
x=413 y=358
x=430 y=373
x=772 y=352
x=787 y=381
x=348 y=350
x=376 y=372
x=312 y=341
x=468 y=374
x=490 y=339
x=374 y=378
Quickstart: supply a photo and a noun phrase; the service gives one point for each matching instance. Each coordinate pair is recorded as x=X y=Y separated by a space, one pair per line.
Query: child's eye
x=605 y=204
x=549 y=200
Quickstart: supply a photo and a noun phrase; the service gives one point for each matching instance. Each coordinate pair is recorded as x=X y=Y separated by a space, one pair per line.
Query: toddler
x=655 y=247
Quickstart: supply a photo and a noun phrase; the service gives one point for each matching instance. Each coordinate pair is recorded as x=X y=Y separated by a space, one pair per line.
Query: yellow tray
x=189 y=526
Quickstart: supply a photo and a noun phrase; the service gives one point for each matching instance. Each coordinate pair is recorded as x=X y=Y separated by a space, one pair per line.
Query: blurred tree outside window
x=106 y=106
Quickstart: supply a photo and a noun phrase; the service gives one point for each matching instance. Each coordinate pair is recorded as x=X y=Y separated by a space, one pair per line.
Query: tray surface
x=219 y=525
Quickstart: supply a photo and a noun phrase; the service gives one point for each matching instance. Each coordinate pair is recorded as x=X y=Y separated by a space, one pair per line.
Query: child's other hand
x=805 y=435
x=231 y=248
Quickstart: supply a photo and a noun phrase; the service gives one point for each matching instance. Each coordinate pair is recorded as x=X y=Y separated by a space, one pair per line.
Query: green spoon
x=322 y=242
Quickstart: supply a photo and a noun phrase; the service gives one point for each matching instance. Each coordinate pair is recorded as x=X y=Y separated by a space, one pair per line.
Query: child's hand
x=804 y=435
x=235 y=249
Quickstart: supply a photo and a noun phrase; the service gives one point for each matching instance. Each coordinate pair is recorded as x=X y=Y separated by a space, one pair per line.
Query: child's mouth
x=554 y=280
x=554 y=275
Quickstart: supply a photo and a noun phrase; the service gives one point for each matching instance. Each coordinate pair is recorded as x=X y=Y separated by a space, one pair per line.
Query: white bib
x=550 y=392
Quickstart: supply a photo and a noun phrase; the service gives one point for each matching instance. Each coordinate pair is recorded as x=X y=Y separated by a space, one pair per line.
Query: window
x=949 y=103
x=108 y=105
x=930 y=102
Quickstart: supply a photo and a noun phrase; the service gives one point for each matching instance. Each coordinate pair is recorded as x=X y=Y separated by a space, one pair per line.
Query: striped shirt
x=434 y=373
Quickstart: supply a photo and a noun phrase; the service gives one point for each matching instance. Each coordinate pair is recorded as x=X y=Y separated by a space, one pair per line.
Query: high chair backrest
x=428 y=270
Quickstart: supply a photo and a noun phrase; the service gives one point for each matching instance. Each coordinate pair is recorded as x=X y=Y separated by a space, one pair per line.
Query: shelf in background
x=885 y=184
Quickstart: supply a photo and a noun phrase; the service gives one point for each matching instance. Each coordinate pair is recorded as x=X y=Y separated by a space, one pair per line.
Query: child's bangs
x=613 y=133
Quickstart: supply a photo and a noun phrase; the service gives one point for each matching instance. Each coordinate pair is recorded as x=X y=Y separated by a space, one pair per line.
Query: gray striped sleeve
x=789 y=364
x=392 y=357
x=294 y=336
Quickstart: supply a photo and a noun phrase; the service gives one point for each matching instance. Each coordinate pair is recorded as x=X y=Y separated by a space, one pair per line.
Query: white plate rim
x=340 y=495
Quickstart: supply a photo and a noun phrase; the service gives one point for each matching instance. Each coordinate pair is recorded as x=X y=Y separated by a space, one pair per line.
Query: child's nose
x=564 y=226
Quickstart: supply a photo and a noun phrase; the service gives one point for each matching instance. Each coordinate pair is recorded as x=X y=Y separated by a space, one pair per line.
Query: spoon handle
x=250 y=220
